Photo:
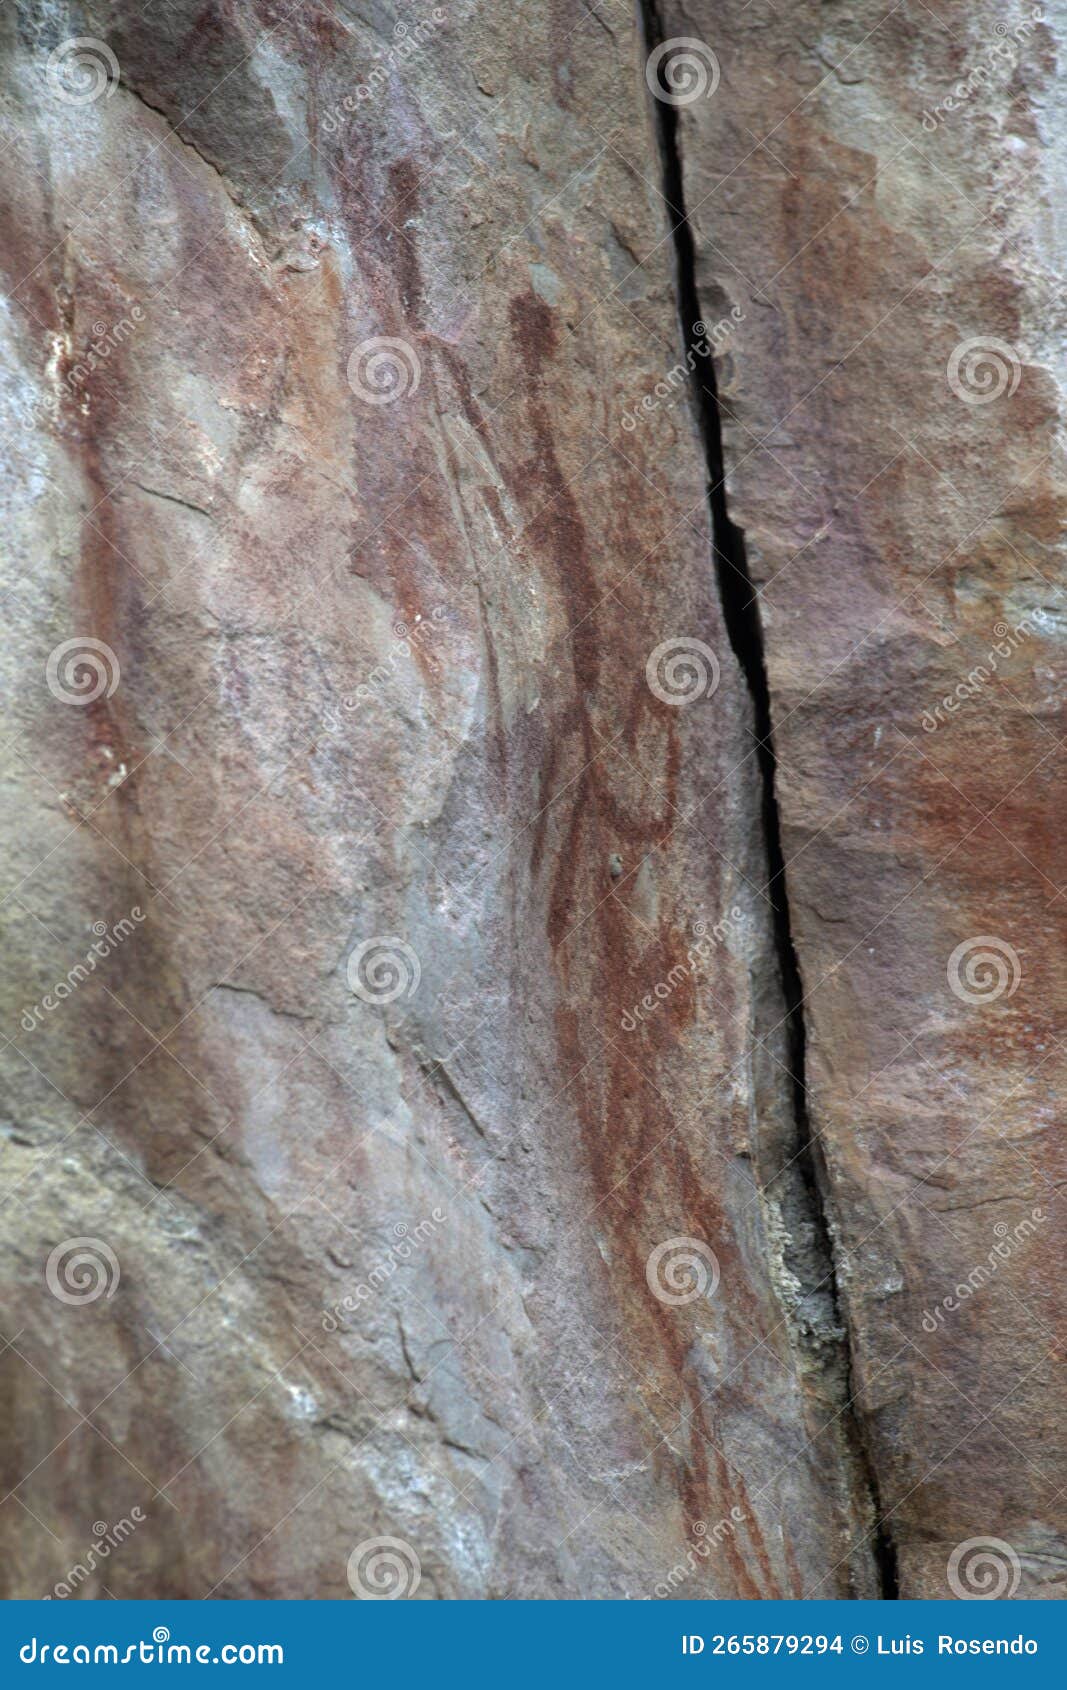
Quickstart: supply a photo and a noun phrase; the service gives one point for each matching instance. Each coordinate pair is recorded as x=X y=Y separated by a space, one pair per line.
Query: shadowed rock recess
x=533 y=576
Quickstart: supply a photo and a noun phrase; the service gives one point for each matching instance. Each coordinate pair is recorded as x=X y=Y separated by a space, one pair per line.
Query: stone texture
x=370 y=1263
x=873 y=189
x=281 y=775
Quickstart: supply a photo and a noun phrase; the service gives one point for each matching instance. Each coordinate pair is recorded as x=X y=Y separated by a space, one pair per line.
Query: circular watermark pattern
x=681 y=1270
x=983 y=1569
x=682 y=70
x=984 y=369
x=82 y=70
x=383 y=1569
x=382 y=370
x=383 y=969
x=81 y=671
x=81 y=1270
x=682 y=670
x=983 y=969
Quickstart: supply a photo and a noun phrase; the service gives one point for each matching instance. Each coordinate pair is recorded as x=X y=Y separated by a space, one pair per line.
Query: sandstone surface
x=486 y=1105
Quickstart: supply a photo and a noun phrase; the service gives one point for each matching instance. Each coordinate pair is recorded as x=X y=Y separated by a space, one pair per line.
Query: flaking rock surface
x=373 y=1263
x=877 y=195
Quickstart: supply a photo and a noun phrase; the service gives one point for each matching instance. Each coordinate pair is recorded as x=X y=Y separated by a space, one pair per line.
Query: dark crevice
x=741 y=614
x=183 y=140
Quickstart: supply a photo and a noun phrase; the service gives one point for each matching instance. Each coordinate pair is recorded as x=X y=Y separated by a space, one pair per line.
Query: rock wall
x=877 y=195
x=485 y=1110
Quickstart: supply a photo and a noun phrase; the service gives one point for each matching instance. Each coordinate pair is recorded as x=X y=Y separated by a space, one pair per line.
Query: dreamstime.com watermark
x=1009 y=1240
x=682 y=70
x=1001 y=56
x=406 y=1244
x=681 y=1271
x=82 y=70
x=384 y=1569
x=384 y=369
x=705 y=343
x=382 y=969
x=704 y=1541
x=983 y=969
x=411 y=638
x=984 y=368
x=81 y=670
x=973 y=684
x=107 y=941
x=706 y=941
x=71 y=374
x=82 y=1270
x=407 y=41
x=984 y=1569
x=681 y=670
x=107 y=338
x=105 y=1539
x=157 y=1651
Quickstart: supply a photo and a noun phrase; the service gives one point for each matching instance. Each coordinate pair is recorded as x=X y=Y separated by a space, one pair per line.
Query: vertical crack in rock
x=810 y=1265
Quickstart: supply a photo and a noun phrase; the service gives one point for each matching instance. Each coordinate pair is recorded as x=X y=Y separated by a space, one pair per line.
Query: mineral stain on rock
x=393 y=1220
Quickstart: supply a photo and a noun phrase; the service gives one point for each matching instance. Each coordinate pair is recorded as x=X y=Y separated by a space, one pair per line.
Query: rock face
x=879 y=193
x=503 y=1073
